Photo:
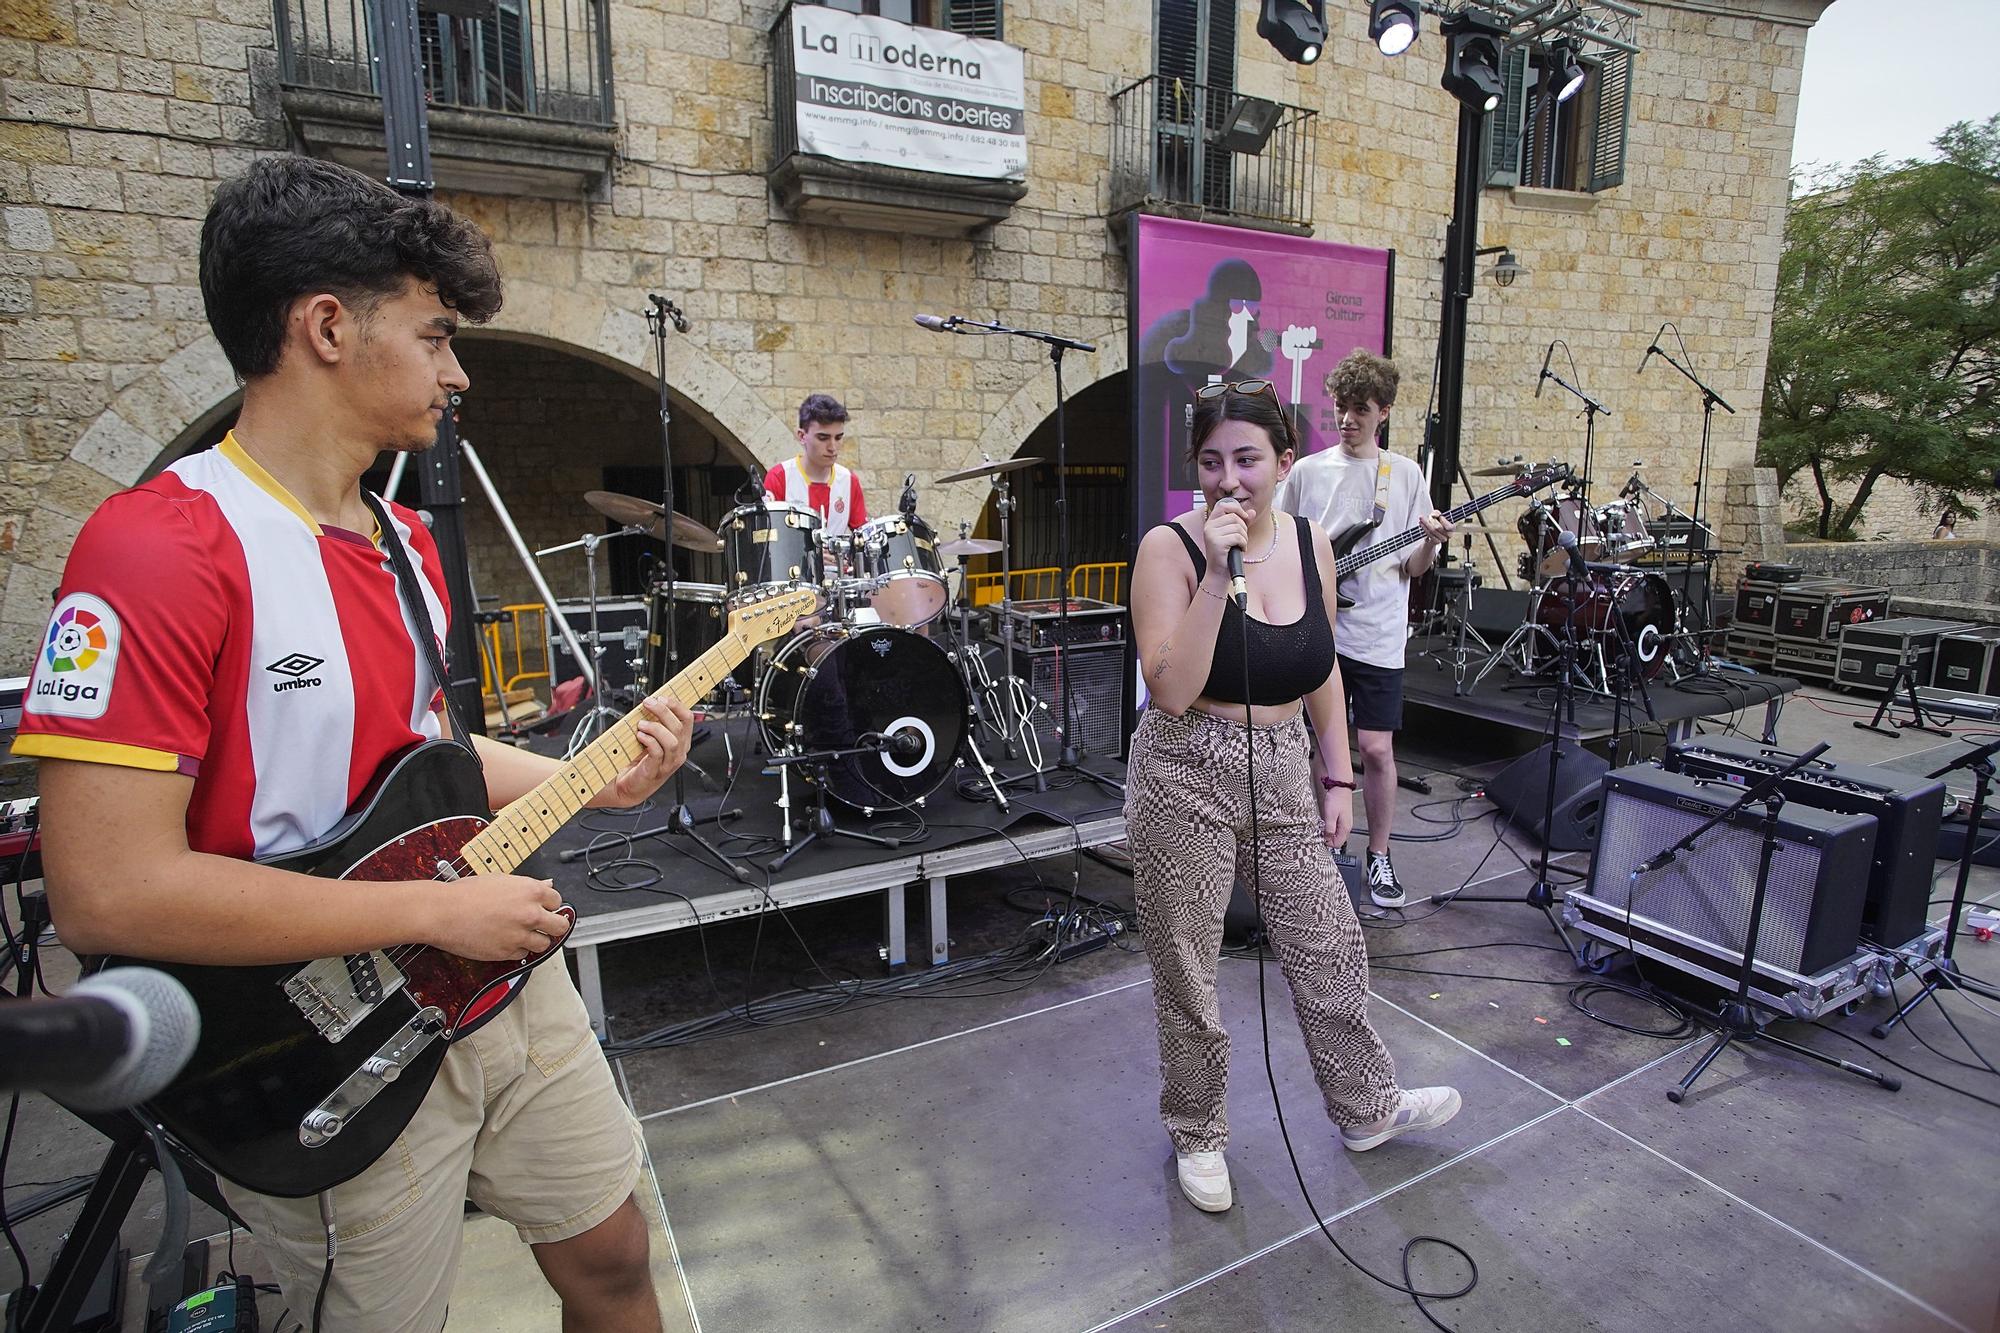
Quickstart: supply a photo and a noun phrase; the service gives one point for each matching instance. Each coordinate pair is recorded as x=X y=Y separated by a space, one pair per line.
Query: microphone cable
x=1407 y=1286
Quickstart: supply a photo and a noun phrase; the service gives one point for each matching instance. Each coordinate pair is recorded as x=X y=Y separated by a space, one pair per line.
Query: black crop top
x=1287 y=662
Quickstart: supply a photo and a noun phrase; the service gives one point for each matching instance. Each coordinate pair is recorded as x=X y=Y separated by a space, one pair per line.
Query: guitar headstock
x=771 y=616
x=1541 y=476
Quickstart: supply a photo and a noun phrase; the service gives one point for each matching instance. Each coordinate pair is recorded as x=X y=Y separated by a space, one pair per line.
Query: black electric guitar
x=1347 y=560
x=304 y=1075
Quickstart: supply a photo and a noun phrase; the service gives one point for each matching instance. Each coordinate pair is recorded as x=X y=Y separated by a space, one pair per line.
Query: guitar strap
x=1382 y=488
x=420 y=616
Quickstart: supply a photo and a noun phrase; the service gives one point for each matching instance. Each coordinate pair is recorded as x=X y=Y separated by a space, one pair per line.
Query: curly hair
x=1259 y=409
x=1364 y=377
x=291 y=226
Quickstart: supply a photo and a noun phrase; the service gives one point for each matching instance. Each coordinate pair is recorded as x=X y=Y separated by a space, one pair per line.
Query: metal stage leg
x=934 y=921
x=895 y=928
x=590 y=985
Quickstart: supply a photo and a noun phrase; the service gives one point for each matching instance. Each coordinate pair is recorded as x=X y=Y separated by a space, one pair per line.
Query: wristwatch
x=1334 y=784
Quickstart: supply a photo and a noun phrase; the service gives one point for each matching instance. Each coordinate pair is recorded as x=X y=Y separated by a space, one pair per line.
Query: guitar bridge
x=335 y=994
x=375 y=1073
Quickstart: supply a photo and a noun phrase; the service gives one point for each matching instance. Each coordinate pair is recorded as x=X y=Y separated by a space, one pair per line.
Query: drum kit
x=880 y=694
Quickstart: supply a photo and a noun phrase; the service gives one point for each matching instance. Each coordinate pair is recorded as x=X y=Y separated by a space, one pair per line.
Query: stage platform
x=1524 y=705
x=627 y=881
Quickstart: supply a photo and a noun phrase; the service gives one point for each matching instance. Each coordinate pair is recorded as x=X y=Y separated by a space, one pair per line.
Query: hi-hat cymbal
x=634 y=512
x=988 y=469
x=964 y=548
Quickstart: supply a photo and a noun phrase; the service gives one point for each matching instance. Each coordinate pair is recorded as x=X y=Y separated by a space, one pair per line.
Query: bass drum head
x=828 y=689
x=1645 y=602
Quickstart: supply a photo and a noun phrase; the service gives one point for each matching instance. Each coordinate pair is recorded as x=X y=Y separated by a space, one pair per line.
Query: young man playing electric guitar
x=234 y=656
x=1360 y=489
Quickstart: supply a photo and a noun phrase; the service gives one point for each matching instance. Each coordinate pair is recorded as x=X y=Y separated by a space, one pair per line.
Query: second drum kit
x=882 y=693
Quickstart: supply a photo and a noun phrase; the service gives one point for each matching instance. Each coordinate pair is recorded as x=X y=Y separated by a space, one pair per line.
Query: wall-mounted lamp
x=1507 y=267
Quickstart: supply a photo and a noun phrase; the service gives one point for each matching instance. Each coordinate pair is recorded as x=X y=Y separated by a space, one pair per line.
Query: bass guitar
x=305 y=1075
x=1347 y=560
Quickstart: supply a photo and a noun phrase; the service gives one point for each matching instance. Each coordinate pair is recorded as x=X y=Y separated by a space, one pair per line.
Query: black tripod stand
x=822 y=825
x=1737 y=1019
x=1945 y=973
x=681 y=821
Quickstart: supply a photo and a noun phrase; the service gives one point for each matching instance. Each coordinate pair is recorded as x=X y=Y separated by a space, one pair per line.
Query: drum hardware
x=822 y=823
x=1451 y=612
x=648 y=518
x=1710 y=400
x=601 y=714
x=987 y=709
x=988 y=468
x=1504 y=468
x=1013 y=719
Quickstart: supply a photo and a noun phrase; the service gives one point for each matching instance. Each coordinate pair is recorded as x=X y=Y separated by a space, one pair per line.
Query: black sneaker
x=1382 y=885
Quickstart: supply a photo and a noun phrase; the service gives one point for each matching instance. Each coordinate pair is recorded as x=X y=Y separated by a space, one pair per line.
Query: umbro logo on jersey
x=296 y=668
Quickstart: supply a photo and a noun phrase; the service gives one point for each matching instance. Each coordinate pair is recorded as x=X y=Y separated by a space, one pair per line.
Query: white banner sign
x=874 y=90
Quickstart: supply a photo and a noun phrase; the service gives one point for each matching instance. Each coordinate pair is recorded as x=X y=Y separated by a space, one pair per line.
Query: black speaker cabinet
x=1096 y=695
x=1907 y=809
x=1701 y=899
x=1521 y=791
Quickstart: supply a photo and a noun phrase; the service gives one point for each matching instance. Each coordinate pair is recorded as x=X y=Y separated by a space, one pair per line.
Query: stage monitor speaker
x=1521 y=791
x=1097 y=692
x=1907 y=809
x=1812 y=911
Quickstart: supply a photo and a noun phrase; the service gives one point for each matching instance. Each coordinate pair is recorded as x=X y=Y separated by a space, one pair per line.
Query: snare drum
x=1623 y=527
x=899 y=561
x=770 y=547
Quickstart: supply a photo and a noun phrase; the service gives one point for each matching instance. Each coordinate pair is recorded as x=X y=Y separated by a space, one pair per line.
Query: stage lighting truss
x=1297 y=28
x=1479 y=33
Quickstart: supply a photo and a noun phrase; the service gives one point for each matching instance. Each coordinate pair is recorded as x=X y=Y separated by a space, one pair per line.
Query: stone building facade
x=117 y=118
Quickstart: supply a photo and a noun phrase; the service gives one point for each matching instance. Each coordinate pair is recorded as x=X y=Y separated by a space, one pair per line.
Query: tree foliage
x=1885 y=340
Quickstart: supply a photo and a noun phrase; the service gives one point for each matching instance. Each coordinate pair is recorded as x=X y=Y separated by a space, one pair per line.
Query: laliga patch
x=79 y=657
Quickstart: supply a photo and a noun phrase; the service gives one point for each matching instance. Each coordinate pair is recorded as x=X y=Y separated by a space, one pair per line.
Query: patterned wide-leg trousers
x=1187 y=813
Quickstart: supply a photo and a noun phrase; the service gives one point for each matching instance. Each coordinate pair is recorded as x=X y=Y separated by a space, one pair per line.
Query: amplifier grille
x=1096 y=690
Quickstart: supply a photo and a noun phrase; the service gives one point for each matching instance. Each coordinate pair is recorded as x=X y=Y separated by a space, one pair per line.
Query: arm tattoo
x=1160 y=668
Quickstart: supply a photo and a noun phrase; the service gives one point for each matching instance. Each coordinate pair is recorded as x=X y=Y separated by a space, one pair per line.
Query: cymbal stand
x=1463 y=629
x=1710 y=400
x=1003 y=505
x=601 y=715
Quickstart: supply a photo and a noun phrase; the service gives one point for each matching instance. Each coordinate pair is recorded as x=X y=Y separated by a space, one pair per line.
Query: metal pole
x=528 y=563
x=1461 y=241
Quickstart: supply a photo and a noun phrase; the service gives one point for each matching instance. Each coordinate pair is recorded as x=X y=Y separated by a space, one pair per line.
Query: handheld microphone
x=1239 y=591
x=1567 y=540
x=116 y=1039
x=908 y=504
x=1546 y=356
x=1651 y=351
x=938 y=323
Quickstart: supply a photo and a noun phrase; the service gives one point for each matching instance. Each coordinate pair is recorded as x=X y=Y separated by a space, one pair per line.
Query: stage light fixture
x=1250 y=123
x=1475 y=42
x=1297 y=28
x=1565 y=71
x=1392 y=25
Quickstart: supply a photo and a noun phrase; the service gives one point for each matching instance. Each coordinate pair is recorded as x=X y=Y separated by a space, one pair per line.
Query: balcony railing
x=1193 y=150
x=518 y=91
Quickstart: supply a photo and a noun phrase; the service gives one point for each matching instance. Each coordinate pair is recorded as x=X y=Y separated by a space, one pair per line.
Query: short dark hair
x=1259 y=409
x=821 y=407
x=290 y=226
x=1363 y=377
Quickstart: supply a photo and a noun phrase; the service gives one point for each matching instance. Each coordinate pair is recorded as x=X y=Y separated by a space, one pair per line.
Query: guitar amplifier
x=1968 y=660
x=1097 y=691
x=1907 y=809
x=1039 y=624
x=1818 y=609
x=1700 y=901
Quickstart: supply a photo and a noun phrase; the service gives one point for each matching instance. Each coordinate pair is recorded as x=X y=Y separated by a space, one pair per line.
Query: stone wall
x=1896 y=511
x=1954 y=579
x=122 y=115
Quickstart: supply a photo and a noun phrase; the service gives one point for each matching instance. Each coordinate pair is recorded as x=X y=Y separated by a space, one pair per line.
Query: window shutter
x=1505 y=124
x=973 y=18
x=1613 y=114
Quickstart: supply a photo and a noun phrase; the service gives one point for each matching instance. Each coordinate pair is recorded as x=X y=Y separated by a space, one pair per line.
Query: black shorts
x=1374 y=695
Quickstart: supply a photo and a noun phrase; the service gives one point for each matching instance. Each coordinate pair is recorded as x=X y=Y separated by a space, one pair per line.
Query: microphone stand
x=1710 y=400
x=1071 y=756
x=1737 y=1020
x=1592 y=409
x=1945 y=974
x=680 y=819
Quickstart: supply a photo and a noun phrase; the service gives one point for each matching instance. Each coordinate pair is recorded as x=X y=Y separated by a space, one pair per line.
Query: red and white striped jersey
x=837 y=500
x=207 y=625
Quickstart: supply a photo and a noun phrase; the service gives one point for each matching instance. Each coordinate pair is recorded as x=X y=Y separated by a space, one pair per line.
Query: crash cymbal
x=631 y=511
x=988 y=469
x=1500 y=470
x=964 y=548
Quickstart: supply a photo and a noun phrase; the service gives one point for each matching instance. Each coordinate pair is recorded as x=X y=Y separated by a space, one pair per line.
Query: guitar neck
x=533 y=819
x=1348 y=564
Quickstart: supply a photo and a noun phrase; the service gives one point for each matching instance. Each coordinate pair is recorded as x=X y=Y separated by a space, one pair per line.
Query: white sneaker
x=1383 y=887
x=1416 y=1108
x=1205 y=1180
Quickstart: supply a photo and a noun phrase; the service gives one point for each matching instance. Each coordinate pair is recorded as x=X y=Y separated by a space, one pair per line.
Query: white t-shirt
x=1338 y=492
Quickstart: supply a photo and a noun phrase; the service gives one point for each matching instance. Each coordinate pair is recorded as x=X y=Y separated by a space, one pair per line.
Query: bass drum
x=1642 y=605
x=834 y=688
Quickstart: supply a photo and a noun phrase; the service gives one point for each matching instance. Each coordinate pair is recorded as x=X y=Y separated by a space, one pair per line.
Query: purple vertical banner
x=1227 y=303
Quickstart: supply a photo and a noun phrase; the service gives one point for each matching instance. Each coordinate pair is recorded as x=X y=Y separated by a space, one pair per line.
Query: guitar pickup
x=375 y=1073
x=335 y=994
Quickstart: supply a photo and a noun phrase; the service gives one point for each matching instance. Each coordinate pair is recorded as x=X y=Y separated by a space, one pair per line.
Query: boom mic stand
x=1945 y=975
x=823 y=825
x=680 y=819
x=1592 y=409
x=1710 y=400
x=1737 y=1020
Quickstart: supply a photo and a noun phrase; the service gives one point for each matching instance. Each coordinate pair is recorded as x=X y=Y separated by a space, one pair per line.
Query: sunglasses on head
x=1253 y=389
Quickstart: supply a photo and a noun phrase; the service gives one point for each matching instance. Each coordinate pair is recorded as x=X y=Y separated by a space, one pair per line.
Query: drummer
x=814 y=479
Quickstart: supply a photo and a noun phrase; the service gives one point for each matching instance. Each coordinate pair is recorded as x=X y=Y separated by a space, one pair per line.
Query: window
x=1534 y=140
x=1194 y=55
x=973 y=18
x=477 y=55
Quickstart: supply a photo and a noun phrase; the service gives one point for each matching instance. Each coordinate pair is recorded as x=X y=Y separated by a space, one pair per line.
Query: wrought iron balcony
x=1196 y=151
x=518 y=91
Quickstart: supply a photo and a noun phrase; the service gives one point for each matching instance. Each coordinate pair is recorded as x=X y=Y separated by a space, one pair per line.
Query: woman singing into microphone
x=1187 y=808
